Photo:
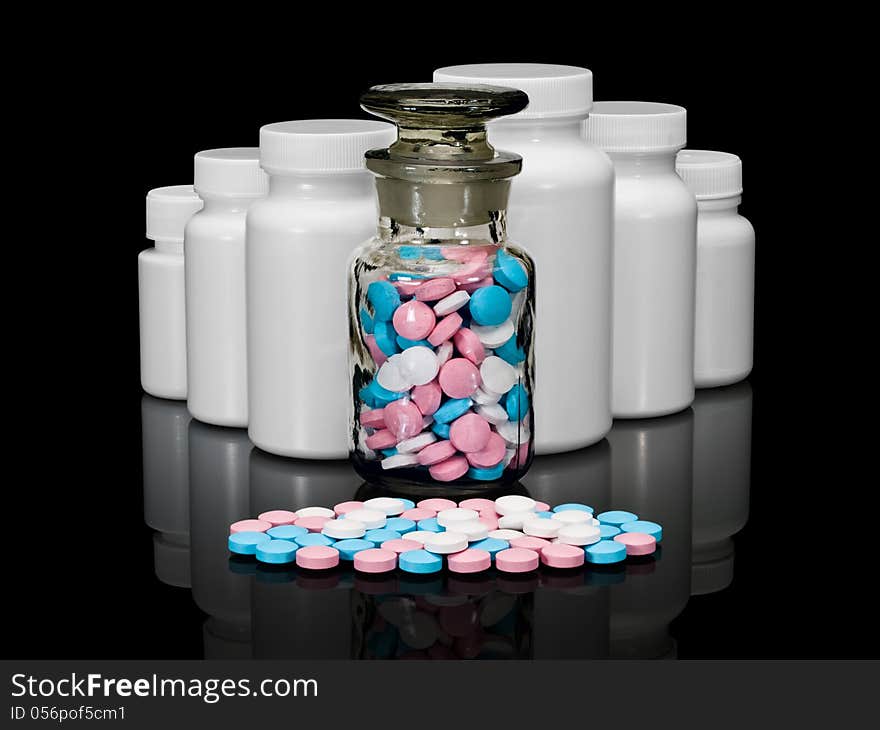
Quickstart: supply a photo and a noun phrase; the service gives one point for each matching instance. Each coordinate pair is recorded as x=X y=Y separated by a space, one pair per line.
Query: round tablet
x=505 y=534
x=517 y=403
x=420 y=562
x=434 y=289
x=490 y=305
x=278 y=517
x=487 y=474
x=345 y=507
x=246 y=542
x=528 y=542
x=430 y=525
x=377 y=537
x=458 y=378
x=398 y=461
x=374 y=418
x=400 y=524
x=471 y=560
x=572 y=517
x=616 y=517
x=447 y=517
x=403 y=418
x=644 y=526
x=510 y=503
x=605 y=552
x=606 y=532
x=348 y=548
x=375 y=351
x=312 y=524
x=407 y=503
x=414 y=320
x=392 y=377
x=489 y=519
x=541 y=507
x=249 y=526
x=427 y=398
x=470 y=433
x=387 y=505
x=343 y=529
x=449 y=470
x=400 y=546
x=637 y=543
x=317 y=557
x=445 y=329
x=315 y=512
x=445 y=543
x=469 y=345
x=417 y=513
x=313 y=538
x=510 y=352
x=579 y=533
x=449 y=411
x=382 y=439
x=539 y=527
x=444 y=352
x=419 y=365
x=517 y=560
x=419 y=536
x=436 y=452
x=375 y=560
x=509 y=272
x=560 y=555
x=286 y=532
x=277 y=552
x=371 y=519
x=436 y=504
x=498 y=375
x=515 y=520
x=485 y=397
x=452 y=303
x=384 y=298
x=494 y=413
x=494 y=336
x=515 y=434
x=472 y=529
x=491 y=545
x=477 y=503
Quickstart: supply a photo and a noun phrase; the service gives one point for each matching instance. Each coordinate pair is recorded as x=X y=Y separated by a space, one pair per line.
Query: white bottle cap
x=710 y=175
x=321 y=145
x=232 y=171
x=168 y=210
x=636 y=126
x=553 y=90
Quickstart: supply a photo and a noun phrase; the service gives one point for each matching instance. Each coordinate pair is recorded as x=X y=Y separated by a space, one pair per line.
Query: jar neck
x=642 y=164
x=306 y=187
x=495 y=231
x=719 y=205
x=227 y=203
x=537 y=129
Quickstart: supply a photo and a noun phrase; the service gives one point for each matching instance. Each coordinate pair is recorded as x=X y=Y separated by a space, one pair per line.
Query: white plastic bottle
x=723 y=338
x=321 y=204
x=655 y=248
x=161 y=291
x=561 y=207
x=229 y=181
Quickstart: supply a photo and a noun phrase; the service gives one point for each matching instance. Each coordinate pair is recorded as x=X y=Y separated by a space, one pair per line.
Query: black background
x=120 y=113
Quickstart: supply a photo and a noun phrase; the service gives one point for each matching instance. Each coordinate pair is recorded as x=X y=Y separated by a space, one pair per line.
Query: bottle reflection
x=722 y=466
x=166 y=486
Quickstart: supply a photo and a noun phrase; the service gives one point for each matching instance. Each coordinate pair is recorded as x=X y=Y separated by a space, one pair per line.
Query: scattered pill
x=375 y=560
x=313 y=538
x=485 y=397
x=417 y=514
x=389 y=506
x=427 y=397
x=348 y=548
x=637 y=543
x=494 y=413
x=374 y=418
x=448 y=517
x=371 y=519
x=477 y=503
x=286 y=532
x=419 y=365
x=278 y=517
x=616 y=517
x=407 y=503
x=490 y=305
x=419 y=536
x=377 y=537
x=451 y=410
x=249 y=526
x=539 y=527
x=511 y=503
x=529 y=542
x=433 y=290
x=490 y=519
x=469 y=345
x=474 y=530
x=497 y=375
x=505 y=534
x=430 y=525
x=400 y=524
x=420 y=562
x=573 y=506
x=315 y=512
x=514 y=433
x=312 y=523
x=277 y=552
x=414 y=320
x=510 y=352
x=606 y=532
x=317 y=557
x=514 y=520
x=572 y=517
x=381 y=439
x=459 y=378
x=403 y=418
x=509 y=272
x=245 y=542
x=401 y=545
x=343 y=529
x=560 y=555
x=472 y=560
x=446 y=542
x=445 y=329
x=605 y=552
x=491 y=545
x=436 y=504
x=516 y=560
x=444 y=352
x=579 y=533
x=644 y=526
x=398 y=461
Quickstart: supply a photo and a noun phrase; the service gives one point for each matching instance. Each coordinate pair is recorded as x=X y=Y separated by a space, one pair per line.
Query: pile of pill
x=513 y=533
x=450 y=395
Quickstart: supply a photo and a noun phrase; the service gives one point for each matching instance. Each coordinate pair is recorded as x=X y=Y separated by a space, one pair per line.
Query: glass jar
x=441 y=304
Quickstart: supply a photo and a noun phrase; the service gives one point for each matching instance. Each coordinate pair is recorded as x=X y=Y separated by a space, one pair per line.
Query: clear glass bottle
x=441 y=304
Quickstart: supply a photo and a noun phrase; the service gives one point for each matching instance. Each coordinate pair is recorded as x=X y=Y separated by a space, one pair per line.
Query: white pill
x=504 y=534
x=514 y=503
x=493 y=413
x=579 y=533
x=546 y=528
x=485 y=397
x=473 y=529
x=447 y=517
x=344 y=529
x=595 y=522
x=572 y=517
x=495 y=335
x=445 y=543
x=419 y=535
x=452 y=303
x=391 y=375
x=415 y=444
x=418 y=364
x=497 y=374
x=315 y=512
x=508 y=456
x=372 y=519
x=398 y=461
x=514 y=520
x=390 y=506
x=444 y=352
x=514 y=433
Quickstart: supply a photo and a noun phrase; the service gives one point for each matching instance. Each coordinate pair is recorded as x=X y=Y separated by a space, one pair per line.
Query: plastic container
x=562 y=205
x=441 y=305
x=725 y=305
x=161 y=294
x=229 y=181
x=299 y=238
x=655 y=250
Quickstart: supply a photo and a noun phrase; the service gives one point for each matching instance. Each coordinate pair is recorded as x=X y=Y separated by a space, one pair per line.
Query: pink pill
x=401 y=546
x=459 y=378
x=477 y=503
x=312 y=524
x=383 y=439
x=278 y=517
x=434 y=289
x=436 y=504
x=346 y=507
x=403 y=418
x=374 y=418
x=489 y=519
x=375 y=560
x=407 y=288
x=516 y=560
x=470 y=433
x=637 y=543
x=560 y=555
x=317 y=557
x=414 y=320
x=469 y=345
x=449 y=470
x=490 y=455
x=528 y=542
x=472 y=271
x=471 y=560
x=520 y=457
x=254 y=526
x=445 y=328
x=542 y=507
x=436 y=452
x=418 y=513
x=465 y=253
x=472 y=286
x=378 y=356
x=427 y=397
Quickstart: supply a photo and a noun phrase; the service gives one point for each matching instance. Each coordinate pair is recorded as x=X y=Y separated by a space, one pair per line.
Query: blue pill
x=377 y=537
x=286 y=532
x=517 y=403
x=573 y=505
x=649 y=528
x=400 y=524
x=616 y=517
x=491 y=545
x=347 y=548
x=511 y=352
x=605 y=552
x=407 y=503
x=366 y=395
x=384 y=298
x=486 y=475
x=441 y=429
x=366 y=321
x=277 y=551
x=386 y=338
x=246 y=543
x=385 y=452
x=404 y=343
x=313 y=538
x=431 y=525
x=544 y=514
x=452 y=409
x=405 y=276
x=409 y=252
x=608 y=532
x=490 y=305
x=383 y=396
x=509 y=272
x=420 y=561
